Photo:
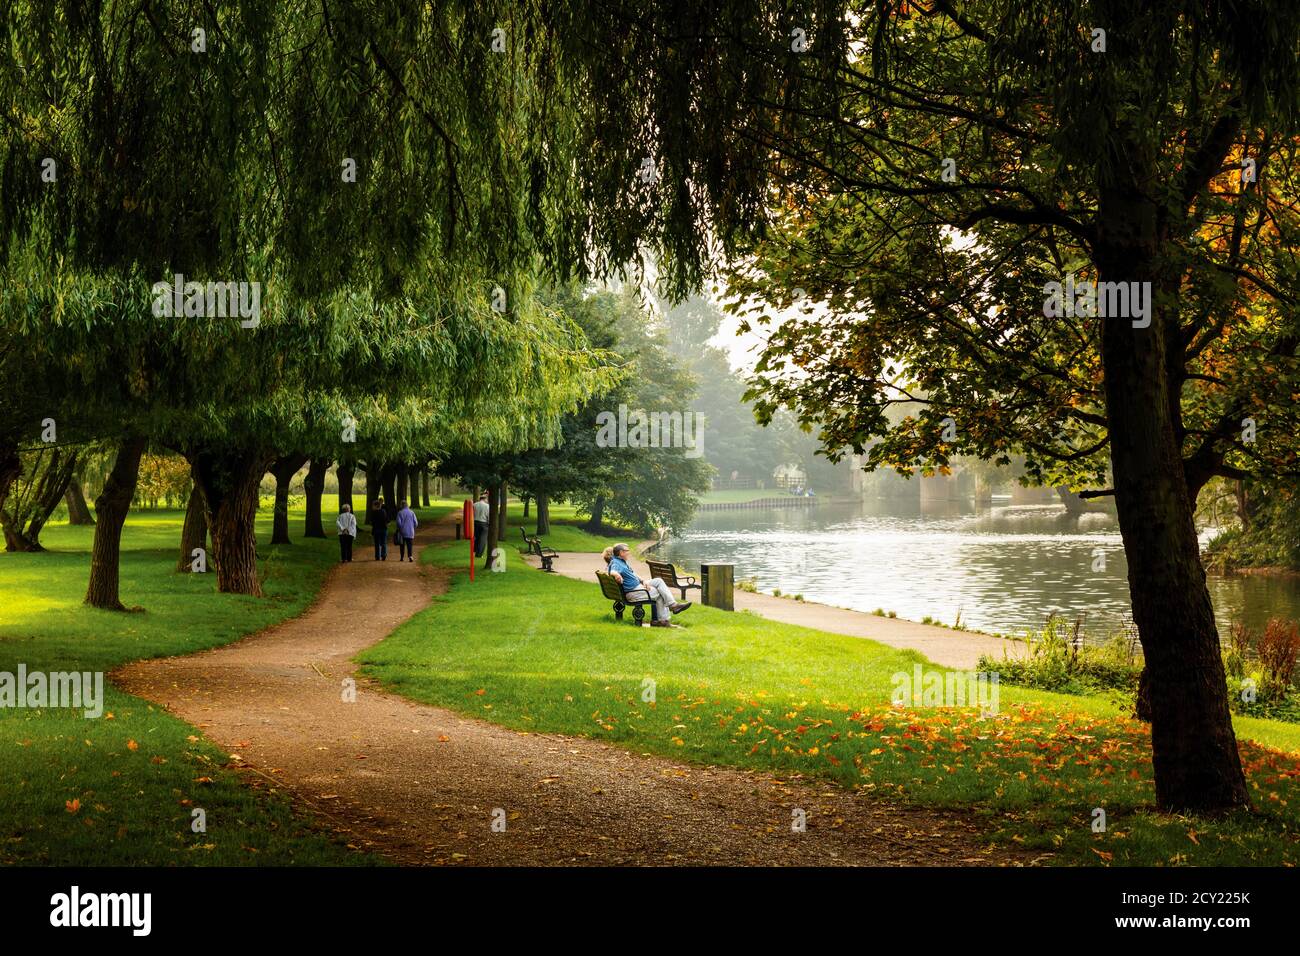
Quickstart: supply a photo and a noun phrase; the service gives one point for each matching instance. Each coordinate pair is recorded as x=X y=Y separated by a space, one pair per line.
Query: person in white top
x=481 y=513
x=347 y=523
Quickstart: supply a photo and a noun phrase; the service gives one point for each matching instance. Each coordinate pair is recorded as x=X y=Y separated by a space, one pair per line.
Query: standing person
x=481 y=512
x=377 y=518
x=665 y=604
x=347 y=524
x=404 y=526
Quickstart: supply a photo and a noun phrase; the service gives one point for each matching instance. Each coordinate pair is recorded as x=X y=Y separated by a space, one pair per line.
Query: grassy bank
x=541 y=653
x=121 y=789
x=566 y=533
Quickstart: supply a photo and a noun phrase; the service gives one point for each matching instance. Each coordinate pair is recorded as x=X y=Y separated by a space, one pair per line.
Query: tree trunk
x=1243 y=504
x=1074 y=505
x=229 y=481
x=78 y=510
x=1193 y=748
x=11 y=466
x=543 y=514
x=403 y=483
x=111 y=506
x=424 y=487
x=283 y=469
x=54 y=485
x=388 y=481
x=194 y=533
x=25 y=516
x=503 y=513
x=494 y=536
x=597 y=515
x=527 y=501
x=314 y=486
x=344 y=473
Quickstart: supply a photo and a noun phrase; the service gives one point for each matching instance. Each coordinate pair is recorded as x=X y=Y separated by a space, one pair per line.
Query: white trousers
x=663 y=598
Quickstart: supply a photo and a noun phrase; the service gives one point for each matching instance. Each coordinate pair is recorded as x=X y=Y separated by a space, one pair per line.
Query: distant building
x=790 y=476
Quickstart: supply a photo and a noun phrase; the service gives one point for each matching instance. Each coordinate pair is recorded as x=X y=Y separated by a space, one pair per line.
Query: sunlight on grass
x=77 y=791
x=542 y=653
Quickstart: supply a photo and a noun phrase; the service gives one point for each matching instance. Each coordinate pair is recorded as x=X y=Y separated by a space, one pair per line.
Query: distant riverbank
x=787 y=501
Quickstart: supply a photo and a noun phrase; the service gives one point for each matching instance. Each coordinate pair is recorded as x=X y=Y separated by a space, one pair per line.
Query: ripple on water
x=1003 y=568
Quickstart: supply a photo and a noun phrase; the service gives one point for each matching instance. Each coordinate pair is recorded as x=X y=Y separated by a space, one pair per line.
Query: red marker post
x=467 y=519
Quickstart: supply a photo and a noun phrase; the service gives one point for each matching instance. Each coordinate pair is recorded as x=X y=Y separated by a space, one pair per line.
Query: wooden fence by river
x=788 y=501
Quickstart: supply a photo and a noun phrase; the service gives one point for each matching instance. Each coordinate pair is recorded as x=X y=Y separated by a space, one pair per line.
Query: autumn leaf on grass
x=132 y=745
x=73 y=805
x=481 y=691
x=1103 y=854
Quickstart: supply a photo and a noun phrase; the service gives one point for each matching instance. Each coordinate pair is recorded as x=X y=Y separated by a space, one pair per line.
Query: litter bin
x=717 y=586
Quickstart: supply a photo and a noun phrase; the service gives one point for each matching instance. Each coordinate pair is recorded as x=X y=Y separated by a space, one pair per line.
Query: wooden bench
x=668 y=574
x=537 y=549
x=611 y=585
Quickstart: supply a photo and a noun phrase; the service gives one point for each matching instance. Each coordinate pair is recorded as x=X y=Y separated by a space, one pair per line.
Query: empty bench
x=611 y=585
x=668 y=574
x=537 y=549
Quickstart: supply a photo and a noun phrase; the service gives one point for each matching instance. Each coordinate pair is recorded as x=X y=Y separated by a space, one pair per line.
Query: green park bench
x=537 y=549
x=667 y=573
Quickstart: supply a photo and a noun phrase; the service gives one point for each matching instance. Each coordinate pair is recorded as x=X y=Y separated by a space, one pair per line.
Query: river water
x=1002 y=568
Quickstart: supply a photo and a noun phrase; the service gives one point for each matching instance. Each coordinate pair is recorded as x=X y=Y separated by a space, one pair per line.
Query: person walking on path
x=481 y=513
x=377 y=518
x=665 y=604
x=347 y=524
x=404 y=531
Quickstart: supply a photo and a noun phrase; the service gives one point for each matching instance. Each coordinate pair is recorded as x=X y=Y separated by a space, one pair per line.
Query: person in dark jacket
x=377 y=518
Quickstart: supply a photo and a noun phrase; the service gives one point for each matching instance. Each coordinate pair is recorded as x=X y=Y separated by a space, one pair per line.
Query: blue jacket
x=620 y=567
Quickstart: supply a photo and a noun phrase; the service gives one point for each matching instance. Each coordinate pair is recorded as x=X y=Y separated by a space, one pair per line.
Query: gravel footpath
x=423 y=785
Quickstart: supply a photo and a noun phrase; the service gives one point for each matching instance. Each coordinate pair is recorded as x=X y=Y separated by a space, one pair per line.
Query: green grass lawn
x=565 y=533
x=541 y=653
x=120 y=789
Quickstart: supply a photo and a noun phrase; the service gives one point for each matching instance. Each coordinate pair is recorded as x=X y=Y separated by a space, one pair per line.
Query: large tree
x=972 y=156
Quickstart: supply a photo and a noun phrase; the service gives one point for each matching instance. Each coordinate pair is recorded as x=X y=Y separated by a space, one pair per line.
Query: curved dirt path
x=419 y=784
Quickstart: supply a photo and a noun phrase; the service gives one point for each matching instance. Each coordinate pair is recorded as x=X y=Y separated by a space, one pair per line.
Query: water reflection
x=1002 y=568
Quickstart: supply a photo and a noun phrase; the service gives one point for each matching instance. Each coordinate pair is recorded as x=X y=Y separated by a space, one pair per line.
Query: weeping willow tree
x=385 y=206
